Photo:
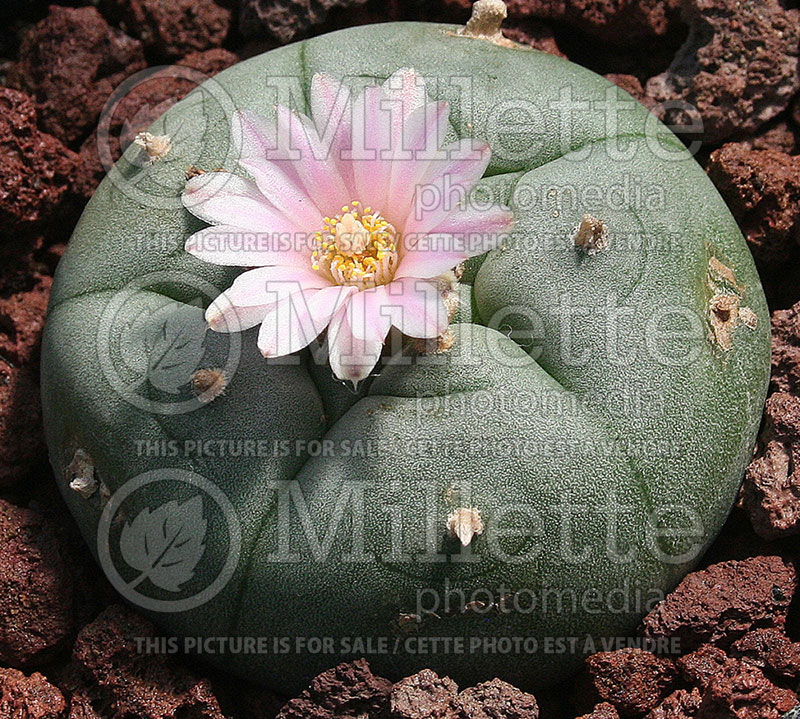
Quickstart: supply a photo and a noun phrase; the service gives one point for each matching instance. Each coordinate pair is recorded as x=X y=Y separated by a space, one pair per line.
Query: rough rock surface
x=786 y=350
x=495 y=699
x=771 y=489
x=344 y=691
x=70 y=62
x=145 y=102
x=603 y=710
x=733 y=688
x=21 y=440
x=424 y=694
x=629 y=83
x=779 y=135
x=762 y=189
x=701 y=666
x=632 y=680
x=427 y=696
x=351 y=690
x=738 y=66
x=24 y=292
x=174 y=29
x=770 y=650
x=22 y=316
x=110 y=675
x=616 y=21
x=724 y=601
x=37 y=169
x=678 y=705
x=33 y=697
x=37 y=591
x=286 y=19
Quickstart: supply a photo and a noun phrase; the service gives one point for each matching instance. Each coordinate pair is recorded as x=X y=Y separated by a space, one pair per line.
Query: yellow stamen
x=356 y=247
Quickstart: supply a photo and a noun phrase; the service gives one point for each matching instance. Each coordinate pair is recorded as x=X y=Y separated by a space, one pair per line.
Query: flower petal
x=416 y=307
x=256 y=138
x=447 y=184
x=492 y=221
x=380 y=116
x=297 y=320
x=331 y=110
x=253 y=136
x=285 y=195
x=223 y=315
x=267 y=285
x=364 y=313
x=351 y=359
x=313 y=162
x=254 y=293
x=370 y=137
x=434 y=254
x=222 y=198
x=412 y=157
x=405 y=89
x=238 y=247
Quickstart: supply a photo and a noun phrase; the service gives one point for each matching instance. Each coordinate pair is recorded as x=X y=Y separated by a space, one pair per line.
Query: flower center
x=356 y=247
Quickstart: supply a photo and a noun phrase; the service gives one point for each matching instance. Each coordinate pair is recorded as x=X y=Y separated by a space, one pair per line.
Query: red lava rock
x=732 y=687
x=24 y=293
x=702 y=665
x=109 y=674
x=70 y=62
x=37 y=591
x=172 y=30
x=770 y=650
x=629 y=83
x=287 y=19
x=137 y=109
x=495 y=700
x=741 y=691
x=346 y=690
x=533 y=33
x=32 y=697
x=37 y=169
x=678 y=705
x=603 y=710
x=724 y=601
x=633 y=680
x=738 y=66
x=423 y=696
x=21 y=438
x=779 y=135
x=770 y=492
x=22 y=319
x=616 y=21
x=80 y=707
x=762 y=189
x=786 y=350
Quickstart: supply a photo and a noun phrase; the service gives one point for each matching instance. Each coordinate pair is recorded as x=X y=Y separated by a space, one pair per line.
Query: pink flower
x=350 y=216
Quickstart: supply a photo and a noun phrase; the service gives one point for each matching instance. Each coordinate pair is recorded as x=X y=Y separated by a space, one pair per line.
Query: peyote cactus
x=497 y=500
